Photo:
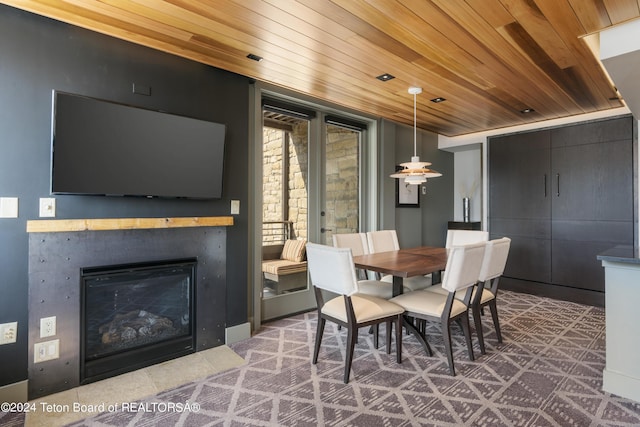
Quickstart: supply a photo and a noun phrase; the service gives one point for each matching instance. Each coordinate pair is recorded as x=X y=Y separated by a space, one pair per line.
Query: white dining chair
x=461 y=274
x=492 y=268
x=465 y=237
x=495 y=260
x=332 y=269
x=358 y=244
x=387 y=240
x=459 y=238
x=383 y=241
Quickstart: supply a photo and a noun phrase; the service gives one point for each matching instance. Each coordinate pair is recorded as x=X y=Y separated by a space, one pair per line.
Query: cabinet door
x=592 y=171
x=592 y=202
x=519 y=180
x=575 y=247
x=519 y=202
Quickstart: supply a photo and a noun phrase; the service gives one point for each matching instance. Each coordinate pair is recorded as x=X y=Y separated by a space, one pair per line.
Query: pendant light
x=415 y=172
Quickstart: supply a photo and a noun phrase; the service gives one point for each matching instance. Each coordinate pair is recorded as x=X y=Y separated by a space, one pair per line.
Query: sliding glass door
x=310 y=190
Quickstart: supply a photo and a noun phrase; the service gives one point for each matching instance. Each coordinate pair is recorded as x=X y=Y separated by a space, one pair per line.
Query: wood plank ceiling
x=490 y=59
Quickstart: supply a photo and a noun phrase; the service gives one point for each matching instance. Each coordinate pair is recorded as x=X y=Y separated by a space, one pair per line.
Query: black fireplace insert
x=135 y=315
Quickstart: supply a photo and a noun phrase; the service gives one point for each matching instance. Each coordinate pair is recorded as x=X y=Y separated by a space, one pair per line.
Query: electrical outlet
x=8 y=333
x=47 y=350
x=47 y=326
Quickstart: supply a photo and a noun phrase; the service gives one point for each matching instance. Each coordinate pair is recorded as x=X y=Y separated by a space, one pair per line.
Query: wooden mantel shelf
x=62 y=225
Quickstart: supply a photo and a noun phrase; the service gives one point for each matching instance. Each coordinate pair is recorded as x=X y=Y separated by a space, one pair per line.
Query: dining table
x=404 y=263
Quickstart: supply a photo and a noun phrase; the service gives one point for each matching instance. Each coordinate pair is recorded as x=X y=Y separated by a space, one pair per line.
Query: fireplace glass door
x=136 y=315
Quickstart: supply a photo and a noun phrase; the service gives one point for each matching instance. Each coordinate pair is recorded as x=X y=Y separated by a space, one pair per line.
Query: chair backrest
x=357 y=242
x=465 y=237
x=495 y=259
x=332 y=269
x=463 y=266
x=382 y=241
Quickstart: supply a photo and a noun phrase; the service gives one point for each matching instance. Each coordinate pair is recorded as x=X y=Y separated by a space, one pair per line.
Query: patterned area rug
x=547 y=372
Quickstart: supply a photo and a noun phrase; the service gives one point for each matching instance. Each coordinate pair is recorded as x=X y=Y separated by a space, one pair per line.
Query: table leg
x=419 y=335
x=436 y=277
x=398 y=288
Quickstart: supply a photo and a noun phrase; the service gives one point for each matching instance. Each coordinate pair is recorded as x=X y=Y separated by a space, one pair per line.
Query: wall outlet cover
x=47 y=350
x=8 y=333
x=235 y=207
x=8 y=207
x=47 y=326
x=47 y=207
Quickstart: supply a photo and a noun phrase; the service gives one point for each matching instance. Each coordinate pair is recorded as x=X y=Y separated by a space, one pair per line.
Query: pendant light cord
x=415 y=119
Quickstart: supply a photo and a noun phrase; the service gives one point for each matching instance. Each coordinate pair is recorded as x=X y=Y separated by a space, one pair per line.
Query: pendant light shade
x=415 y=172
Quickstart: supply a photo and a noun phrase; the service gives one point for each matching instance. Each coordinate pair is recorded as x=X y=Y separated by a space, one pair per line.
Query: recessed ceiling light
x=254 y=57
x=527 y=110
x=385 y=77
x=438 y=99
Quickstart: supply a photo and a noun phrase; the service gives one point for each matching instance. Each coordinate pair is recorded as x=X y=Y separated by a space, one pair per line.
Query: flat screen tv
x=105 y=148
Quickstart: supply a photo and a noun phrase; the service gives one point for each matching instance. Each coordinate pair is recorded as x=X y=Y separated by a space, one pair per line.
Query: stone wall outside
x=341 y=180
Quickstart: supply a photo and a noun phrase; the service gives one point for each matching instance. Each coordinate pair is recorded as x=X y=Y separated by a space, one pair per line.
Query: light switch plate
x=8 y=207
x=8 y=333
x=47 y=207
x=235 y=207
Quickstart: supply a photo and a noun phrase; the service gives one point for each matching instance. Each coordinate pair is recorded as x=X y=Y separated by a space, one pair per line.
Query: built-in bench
x=285 y=265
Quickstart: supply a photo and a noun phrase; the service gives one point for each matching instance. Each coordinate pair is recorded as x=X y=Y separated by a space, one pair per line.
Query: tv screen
x=105 y=148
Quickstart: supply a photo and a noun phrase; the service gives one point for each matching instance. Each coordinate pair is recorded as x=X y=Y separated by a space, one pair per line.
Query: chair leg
x=398 y=338
x=319 y=332
x=375 y=330
x=494 y=314
x=478 y=325
x=389 y=330
x=464 y=321
x=351 y=344
x=446 y=335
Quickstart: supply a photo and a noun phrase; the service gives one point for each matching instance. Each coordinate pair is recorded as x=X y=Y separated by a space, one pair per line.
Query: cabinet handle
x=558 y=187
x=544 y=183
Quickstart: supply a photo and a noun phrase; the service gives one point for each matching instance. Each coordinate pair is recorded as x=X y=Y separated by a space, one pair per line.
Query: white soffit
x=621 y=39
x=620 y=55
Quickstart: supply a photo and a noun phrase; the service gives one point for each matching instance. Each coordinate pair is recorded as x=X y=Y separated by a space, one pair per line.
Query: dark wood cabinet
x=520 y=202
x=461 y=225
x=563 y=195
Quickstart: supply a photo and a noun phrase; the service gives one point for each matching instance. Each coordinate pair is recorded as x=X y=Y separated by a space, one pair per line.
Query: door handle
x=558 y=185
x=544 y=183
x=324 y=230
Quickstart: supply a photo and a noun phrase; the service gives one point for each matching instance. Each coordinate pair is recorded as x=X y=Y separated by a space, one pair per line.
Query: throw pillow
x=294 y=250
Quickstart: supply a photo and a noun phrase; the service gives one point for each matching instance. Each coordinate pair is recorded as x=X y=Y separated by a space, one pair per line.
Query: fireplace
x=61 y=250
x=135 y=315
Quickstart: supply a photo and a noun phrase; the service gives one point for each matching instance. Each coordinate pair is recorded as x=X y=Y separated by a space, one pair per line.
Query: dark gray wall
x=38 y=55
x=437 y=204
x=426 y=225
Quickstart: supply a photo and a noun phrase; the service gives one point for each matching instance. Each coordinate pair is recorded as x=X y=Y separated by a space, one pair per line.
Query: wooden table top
x=404 y=262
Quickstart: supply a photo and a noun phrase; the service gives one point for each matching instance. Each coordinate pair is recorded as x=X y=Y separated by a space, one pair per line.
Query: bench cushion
x=280 y=267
